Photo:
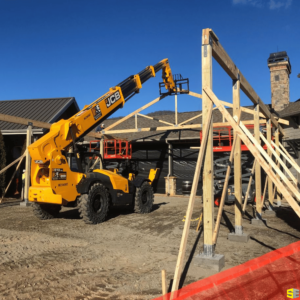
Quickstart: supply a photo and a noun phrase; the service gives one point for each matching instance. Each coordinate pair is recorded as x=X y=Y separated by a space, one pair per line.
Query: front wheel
x=144 y=199
x=45 y=211
x=93 y=207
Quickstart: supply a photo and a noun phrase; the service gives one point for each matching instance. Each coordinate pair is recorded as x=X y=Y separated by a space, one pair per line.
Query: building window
x=276 y=77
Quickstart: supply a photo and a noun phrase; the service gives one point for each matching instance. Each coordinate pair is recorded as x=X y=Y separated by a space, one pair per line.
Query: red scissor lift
x=113 y=148
x=223 y=138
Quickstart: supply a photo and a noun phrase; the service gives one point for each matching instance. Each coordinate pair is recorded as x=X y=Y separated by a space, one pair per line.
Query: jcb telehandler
x=56 y=182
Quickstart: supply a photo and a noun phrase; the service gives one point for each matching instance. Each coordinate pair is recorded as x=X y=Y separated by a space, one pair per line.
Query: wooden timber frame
x=263 y=160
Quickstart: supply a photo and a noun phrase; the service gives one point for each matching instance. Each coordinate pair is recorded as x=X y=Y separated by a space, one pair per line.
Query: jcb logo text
x=112 y=99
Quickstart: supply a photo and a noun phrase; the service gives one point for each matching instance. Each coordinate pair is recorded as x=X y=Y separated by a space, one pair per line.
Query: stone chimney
x=280 y=70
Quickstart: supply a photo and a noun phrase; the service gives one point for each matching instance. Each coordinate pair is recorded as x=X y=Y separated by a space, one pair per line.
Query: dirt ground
x=122 y=258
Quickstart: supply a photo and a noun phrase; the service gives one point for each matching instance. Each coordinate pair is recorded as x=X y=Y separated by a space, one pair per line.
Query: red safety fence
x=269 y=276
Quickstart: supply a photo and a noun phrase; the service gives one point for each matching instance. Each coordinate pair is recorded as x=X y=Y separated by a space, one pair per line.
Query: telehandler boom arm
x=60 y=135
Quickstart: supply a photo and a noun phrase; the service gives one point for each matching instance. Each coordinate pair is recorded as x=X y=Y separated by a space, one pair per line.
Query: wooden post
x=270 y=184
x=257 y=151
x=200 y=221
x=257 y=166
x=237 y=162
x=278 y=159
x=27 y=163
x=208 y=170
x=287 y=156
x=163 y=282
x=176 y=112
x=101 y=152
x=249 y=186
x=136 y=124
x=225 y=186
x=264 y=193
x=17 y=168
x=271 y=162
x=298 y=174
x=189 y=210
x=278 y=192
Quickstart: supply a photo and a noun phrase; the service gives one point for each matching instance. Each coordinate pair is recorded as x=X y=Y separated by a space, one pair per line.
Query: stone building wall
x=280 y=85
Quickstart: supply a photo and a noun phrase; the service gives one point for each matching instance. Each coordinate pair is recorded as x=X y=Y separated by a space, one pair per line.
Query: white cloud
x=256 y=3
x=275 y=4
x=271 y=4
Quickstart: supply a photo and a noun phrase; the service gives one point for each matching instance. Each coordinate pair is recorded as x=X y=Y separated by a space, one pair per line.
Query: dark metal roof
x=292 y=109
x=45 y=110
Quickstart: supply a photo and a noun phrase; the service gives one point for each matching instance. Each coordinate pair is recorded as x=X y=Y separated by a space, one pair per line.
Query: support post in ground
x=277 y=192
x=27 y=166
x=101 y=152
x=208 y=258
x=176 y=112
x=238 y=235
x=298 y=174
x=270 y=183
x=258 y=213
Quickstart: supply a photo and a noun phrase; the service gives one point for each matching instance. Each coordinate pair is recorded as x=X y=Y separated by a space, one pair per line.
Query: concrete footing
x=215 y=262
x=259 y=222
x=25 y=204
x=241 y=238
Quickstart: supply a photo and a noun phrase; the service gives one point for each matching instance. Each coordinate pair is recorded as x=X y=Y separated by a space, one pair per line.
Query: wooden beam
x=163 y=128
x=40 y=124
x=27 y=163
x=225 y=186
x=164 y=282
x=271 y=151
x=208 y=168
x=12 y=177
x=189 y=212
x=220 y=55
x=278 y=192
x=181 y=127
x=155 y=119
x=176 y=112
x=237 y=161
x=271 y=162
x=191 y=119
x=289 y=158
x=270 y=184
x=244 y=109
x=255 y=152
x=11 y=164
x=200 y=220
x=136 y=121
x=24 y=121
x=257 y=167
x=135 y=112
x=249 y=186
x=264 y=193
x=251 y=112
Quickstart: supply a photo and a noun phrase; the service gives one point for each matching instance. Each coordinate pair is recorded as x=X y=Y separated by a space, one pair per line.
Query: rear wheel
x=93 y=207
x=144 y=198
x=46 y=211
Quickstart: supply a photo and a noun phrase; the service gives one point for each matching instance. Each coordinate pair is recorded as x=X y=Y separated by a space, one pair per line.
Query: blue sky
x=78 y=48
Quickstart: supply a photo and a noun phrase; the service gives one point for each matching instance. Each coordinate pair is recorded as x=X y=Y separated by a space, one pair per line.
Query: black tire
x=46 y=211
x=144 y=198
x=93 y=207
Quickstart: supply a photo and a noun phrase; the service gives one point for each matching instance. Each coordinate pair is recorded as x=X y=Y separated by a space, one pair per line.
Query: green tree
x=2 y=164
